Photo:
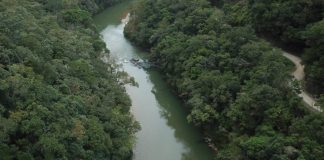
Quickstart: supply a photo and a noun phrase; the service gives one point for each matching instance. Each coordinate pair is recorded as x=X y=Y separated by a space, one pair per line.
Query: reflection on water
x=165 y=133
x=173 y=110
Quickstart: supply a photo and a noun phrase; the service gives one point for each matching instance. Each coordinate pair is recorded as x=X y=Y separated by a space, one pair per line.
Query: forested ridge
x=297 y=24
x=58 y=99
x=236 y=86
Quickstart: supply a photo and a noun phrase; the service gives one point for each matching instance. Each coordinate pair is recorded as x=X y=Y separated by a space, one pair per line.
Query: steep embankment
x=57 y=98
x=235 y=85
x=165 y=133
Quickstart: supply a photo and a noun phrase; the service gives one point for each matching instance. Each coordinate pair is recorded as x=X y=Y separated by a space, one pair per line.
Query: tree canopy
x=296 y=24
x=57 y=98
x=235 y=85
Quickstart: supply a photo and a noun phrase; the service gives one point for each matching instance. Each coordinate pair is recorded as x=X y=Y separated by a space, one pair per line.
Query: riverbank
x=165 y=132
x=235 y=85
x=58 y=99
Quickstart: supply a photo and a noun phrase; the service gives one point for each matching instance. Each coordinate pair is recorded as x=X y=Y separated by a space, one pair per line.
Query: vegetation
x=235 y=85
x=298 y=24
x=57 y=98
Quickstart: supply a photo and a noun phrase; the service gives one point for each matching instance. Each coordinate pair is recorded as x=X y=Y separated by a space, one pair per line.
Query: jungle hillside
x=236 y=85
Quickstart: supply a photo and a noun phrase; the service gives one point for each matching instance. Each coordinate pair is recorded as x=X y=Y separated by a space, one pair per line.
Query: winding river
x=165 y=133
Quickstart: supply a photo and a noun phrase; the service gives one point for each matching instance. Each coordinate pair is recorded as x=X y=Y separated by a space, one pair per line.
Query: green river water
x=165 y=133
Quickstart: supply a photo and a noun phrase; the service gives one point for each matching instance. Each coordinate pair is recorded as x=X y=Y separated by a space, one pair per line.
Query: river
x=165 y=133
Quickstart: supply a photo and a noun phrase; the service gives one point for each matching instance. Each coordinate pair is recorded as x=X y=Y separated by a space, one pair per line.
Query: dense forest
x=58 y=99
x=237 y=87
x=296 y=24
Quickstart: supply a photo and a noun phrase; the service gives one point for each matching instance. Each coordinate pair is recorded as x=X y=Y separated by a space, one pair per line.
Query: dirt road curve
x=299 y=74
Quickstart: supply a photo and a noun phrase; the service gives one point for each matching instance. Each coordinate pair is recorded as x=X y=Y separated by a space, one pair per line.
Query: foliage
x=298 y=24
x=235 y=85
x=77 y=16
x=57 y=98
x=314 y=58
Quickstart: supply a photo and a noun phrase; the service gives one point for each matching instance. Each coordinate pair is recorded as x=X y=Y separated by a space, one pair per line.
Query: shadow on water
x=112 y=15
x=174 y=111
x=165 y=134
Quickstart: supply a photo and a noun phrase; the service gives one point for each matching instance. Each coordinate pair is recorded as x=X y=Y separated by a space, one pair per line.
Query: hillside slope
x=57 y=98
x=234 y=84
x=296 y=25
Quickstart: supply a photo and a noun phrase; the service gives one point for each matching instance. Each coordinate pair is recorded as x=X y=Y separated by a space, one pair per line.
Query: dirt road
x=299 y=74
